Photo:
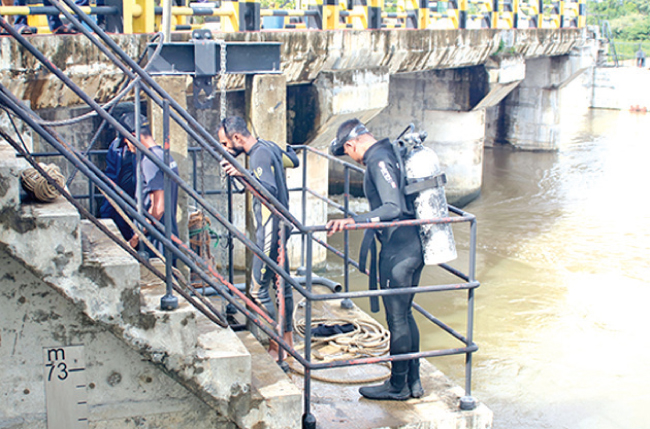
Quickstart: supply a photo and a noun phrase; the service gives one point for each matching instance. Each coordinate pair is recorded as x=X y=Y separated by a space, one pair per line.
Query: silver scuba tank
x=425 y=178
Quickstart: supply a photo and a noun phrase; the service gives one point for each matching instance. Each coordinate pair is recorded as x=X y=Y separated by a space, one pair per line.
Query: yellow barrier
x=139 y=15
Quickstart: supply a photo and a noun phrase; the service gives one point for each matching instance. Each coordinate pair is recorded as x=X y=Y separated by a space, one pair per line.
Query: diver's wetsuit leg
x=401 y=266
x=263 y=276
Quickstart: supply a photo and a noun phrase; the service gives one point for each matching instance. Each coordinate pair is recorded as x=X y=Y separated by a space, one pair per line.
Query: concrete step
x=276 y=401
x=47 y=236
x=114 y=295
x=210 y=361
x=76 y=259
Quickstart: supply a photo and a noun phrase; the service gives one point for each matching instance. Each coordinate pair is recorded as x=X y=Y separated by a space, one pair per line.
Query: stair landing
x=340 y=406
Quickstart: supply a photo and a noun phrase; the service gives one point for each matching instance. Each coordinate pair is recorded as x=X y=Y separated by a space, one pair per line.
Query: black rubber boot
x=393 y=389
x=414 y=383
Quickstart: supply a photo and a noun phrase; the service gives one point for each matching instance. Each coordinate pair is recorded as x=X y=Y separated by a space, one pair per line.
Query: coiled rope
x=368 y=339
x=38 y=185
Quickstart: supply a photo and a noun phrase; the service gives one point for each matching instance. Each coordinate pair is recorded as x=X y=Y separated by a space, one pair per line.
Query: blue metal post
x=468 y=402
x=347 y=302
x=138 y=162
x=168 y=301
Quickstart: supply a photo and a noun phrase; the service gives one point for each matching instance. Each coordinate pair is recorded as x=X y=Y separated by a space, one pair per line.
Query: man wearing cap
x=400 y=259
x=267 y=163
x=153 y=179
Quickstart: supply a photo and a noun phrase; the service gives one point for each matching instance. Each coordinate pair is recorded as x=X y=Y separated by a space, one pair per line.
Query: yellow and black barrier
x=36 y=14
x=142 y=16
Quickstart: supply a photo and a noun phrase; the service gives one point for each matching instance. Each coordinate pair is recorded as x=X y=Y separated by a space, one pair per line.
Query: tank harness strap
x=368 y=245
x=418 y=185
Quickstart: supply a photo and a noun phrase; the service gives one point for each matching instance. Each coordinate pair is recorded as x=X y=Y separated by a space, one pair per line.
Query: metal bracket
x=201 y=58
x=202 y=84
x=205 y=68
x=178 y=58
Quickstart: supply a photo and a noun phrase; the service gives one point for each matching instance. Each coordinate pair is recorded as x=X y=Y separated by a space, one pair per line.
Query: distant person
x=267 y=163
x=400 y=260
x=640 y=57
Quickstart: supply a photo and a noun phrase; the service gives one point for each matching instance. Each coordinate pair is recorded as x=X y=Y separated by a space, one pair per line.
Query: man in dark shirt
x=120 y=168
x=153 y=179
x=267 y=163
x=400 y=260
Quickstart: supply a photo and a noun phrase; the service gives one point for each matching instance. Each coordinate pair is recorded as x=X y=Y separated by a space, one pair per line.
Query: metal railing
x=468 y=280
x=234 y=16
x=140 y=81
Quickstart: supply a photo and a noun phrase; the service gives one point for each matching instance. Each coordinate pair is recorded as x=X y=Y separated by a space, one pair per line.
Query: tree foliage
x=628 y=19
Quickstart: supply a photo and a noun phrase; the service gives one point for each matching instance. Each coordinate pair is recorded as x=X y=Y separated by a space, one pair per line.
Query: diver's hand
x=229 y=169
x=337 y=225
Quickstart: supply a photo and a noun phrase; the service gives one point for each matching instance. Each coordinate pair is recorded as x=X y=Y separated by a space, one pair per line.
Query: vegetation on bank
x=629 y=21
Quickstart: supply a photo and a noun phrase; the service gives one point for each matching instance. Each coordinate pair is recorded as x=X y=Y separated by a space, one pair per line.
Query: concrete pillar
x=530 y=115
x=531 y=112
x=440 y=102
x=176 y=87
x=317 y=111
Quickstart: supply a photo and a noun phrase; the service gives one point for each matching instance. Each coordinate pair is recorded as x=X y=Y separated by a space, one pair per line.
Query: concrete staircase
x=78 y=261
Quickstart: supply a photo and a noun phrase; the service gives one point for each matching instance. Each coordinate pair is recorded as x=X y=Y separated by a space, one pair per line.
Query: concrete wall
x=620 y=88
x=124 y=391
x=435 y=102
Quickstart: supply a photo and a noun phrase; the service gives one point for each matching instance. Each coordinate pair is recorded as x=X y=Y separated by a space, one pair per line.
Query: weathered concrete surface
x=76 y=56
x=103 y=296
x=503 y=75
x=455 y=132
x=620 y=88
x=530 y=114
x=304 y=55
x=340 y=406
x=278 y=401
x=124 y=390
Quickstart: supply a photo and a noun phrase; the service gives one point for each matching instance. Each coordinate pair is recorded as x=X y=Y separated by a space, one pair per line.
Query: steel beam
x=242 y=58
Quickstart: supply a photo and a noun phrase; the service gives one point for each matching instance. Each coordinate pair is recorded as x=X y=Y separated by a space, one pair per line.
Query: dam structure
x=85 y=336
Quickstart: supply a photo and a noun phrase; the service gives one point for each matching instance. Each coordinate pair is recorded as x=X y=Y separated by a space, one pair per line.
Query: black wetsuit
x=400 y=259
x=267 y=162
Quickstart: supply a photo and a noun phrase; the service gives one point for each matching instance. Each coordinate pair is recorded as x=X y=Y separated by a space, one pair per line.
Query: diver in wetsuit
x=400 y=259
x=267 y=163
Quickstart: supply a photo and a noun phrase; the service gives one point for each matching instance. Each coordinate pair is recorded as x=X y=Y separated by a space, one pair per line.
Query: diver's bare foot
x=274 y=350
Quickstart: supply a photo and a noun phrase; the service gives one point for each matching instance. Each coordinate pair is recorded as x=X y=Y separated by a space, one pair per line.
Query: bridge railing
x=234 y=16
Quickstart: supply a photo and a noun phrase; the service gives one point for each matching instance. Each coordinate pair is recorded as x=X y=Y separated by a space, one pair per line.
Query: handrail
x=173 y=246
x=469 y=282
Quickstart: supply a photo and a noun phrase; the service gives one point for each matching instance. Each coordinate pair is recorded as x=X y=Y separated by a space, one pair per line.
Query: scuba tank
x=424 y=186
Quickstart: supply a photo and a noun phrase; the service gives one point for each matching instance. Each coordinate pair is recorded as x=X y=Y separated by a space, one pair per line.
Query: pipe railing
x=176 y=249
x=469 y=282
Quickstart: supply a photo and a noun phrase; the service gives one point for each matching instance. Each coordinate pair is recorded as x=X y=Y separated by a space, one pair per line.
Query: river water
x=563 y=259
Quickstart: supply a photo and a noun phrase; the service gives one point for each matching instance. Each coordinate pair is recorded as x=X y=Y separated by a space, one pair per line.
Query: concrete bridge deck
x=304 y=54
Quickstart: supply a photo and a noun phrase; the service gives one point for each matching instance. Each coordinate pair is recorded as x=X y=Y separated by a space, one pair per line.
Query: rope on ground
x=38 y=185
x=368 y=339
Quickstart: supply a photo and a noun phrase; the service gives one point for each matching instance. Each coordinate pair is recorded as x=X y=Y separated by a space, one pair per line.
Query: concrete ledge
x=277 y=402
x=340 y=406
